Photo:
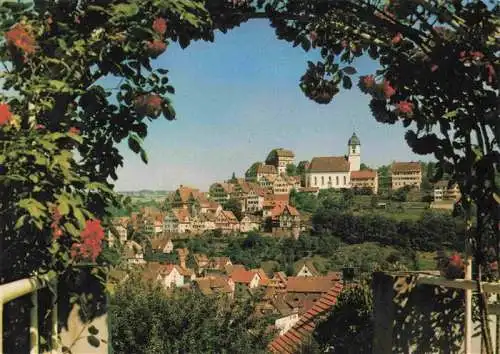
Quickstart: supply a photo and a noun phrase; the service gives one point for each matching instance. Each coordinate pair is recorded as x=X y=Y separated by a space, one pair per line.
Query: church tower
x=354 y=153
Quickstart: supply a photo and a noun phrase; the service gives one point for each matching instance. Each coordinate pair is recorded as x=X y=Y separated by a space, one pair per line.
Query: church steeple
x=354 y=153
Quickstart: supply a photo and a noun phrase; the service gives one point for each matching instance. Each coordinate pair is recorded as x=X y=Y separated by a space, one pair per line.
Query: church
x=335 y=171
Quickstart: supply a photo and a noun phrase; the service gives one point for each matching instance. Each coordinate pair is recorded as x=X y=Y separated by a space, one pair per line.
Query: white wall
x=311 y=182
x=283 y=324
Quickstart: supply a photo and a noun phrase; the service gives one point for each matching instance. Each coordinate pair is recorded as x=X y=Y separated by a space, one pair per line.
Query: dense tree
x=252 y=170
x=364 y=166
x=348 y=328
x=146 y=320
x=234 y=205
x=291 y=170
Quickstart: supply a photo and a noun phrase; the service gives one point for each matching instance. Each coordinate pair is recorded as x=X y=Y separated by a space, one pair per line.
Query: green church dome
x=354 y=140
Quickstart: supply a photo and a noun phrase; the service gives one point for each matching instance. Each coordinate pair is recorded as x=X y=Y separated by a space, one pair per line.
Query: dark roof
x=329 y=164
x=270 y=169
x=406 y=166
x=308 y=263
x=354 y=140
x=363 y=174
x=292 y=339
x=284 y=153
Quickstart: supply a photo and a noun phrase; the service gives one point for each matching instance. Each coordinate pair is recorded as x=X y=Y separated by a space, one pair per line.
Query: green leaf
x=349 y=70
x=79 y=216
x=93 y=330
x=144 y=156
x=93 y=341
x=125 y=10
x=20 y=222
x=63 y=207
x=346 y=82
x=71 y=229
x=134 y=143
x=57 y=84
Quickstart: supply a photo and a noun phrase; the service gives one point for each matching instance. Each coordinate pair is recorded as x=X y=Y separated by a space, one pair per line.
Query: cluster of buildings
x=289 y=301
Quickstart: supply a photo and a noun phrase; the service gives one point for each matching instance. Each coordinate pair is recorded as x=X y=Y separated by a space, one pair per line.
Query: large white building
x=335 y=171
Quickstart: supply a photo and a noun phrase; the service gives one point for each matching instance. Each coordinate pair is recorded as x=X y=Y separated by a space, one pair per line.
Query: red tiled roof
x=364 y=174
x=310 y=284
x=406 y=167
x=264 y=279
x=186 y=192
x=290 y=341
x=329 y=164
x=242 y=276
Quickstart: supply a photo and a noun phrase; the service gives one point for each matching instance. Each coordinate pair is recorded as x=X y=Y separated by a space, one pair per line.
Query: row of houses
x=285 y=298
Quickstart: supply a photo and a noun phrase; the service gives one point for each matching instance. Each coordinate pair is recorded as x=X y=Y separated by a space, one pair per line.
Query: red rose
x=91 y=245
x=368 y=81
x=149 y=105
x=20 y=38
x=434 y=67
x=476 y=55
x=405 y=107
x=39 y=127
x=74 y=131
x=397 y=38
x=313 y=36
x=389 y=91
x=155 y=48
x=160 y=25
x=5 y=113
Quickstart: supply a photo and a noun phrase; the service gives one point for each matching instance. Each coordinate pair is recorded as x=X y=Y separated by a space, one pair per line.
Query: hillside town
x=262 y=196
x=258 y=202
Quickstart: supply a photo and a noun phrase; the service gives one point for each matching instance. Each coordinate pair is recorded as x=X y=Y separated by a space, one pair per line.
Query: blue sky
x=238 y=98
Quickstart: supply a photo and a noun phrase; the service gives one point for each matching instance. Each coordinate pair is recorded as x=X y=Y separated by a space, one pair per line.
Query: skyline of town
x=248 y=102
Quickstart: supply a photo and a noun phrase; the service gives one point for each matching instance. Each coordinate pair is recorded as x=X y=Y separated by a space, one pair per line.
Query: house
x=215 y=284
x=221 y=192
x=267 y=182
x=177 y=221
x=285 y=219
x=118 y=231
x=365 y=179
x=185 y=196
x=305 y=268
x=264 y=279
x=254 y=200
x=265 y=171
x=171 y=276
x=227 y=222
x=443 y=191
x=210 y=207
x=328 y=172
x=246 y=278
x=291 y=340
x=281 y=186
x=280 y=158
x=162 y=245
x=294 y=182
x=406 y=174
x=278 y=280
x=220 y=263
x=182 y=253
x=249 y=223
x=335 y=171
x=201 y=260
x=133 y=253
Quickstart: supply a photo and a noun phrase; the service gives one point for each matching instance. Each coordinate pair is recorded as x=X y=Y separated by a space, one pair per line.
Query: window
x=329 y=179
x=322 y=180
x=353 y=149
x=315 y=181
x=345 y=180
